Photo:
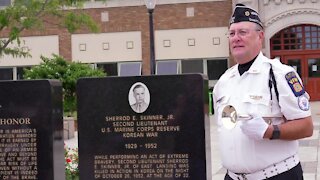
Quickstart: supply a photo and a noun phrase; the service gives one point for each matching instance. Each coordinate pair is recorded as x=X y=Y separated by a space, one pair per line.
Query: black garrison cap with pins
x=243 y=13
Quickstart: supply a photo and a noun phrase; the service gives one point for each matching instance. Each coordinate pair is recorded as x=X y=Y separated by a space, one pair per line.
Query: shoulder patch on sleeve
x=295 y=84
x=303 y=102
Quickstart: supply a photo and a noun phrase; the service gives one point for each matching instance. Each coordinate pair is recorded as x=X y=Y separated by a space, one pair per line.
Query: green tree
x=25 y=15
x=67 y=72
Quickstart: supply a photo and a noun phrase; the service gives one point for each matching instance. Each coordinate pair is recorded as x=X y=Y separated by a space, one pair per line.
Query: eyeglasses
x=240 y=32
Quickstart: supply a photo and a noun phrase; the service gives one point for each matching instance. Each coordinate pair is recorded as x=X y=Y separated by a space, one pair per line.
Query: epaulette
x=278 y=65
x=290 y=75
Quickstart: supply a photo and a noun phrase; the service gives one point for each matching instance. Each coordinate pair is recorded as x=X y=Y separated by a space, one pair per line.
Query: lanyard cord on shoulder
x=272 y=81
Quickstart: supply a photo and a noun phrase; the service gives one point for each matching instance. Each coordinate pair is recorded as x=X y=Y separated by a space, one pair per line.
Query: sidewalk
x=73 y=142
x=309 y=151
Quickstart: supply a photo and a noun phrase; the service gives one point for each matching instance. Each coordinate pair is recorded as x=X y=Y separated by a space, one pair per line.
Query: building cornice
x=265 y=2
x=291 y=13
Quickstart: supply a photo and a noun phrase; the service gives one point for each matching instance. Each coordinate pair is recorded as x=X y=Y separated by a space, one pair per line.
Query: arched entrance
x=299 y=46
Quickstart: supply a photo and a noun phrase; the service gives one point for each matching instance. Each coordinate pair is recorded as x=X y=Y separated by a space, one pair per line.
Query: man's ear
x=261 y=36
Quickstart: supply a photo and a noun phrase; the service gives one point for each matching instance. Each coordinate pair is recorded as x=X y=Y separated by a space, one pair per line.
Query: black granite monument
x=146 y=127
x=31 y=130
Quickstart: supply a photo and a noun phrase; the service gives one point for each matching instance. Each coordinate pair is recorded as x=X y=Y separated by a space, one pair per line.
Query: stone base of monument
x=68 y=127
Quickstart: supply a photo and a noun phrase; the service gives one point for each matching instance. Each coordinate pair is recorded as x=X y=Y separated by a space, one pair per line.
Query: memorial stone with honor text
x=143 y=127
x=31 y=130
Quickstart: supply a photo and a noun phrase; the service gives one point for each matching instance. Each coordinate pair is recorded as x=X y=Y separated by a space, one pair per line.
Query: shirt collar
x=254 y=69
x=256 y=66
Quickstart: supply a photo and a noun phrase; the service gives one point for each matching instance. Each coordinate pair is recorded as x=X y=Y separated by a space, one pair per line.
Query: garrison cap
x=243 y=13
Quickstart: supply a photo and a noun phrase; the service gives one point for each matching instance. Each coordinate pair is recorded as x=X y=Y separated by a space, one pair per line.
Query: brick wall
x=135 y=18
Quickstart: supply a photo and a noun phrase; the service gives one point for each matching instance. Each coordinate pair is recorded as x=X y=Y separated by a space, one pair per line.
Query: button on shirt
x=250 y=94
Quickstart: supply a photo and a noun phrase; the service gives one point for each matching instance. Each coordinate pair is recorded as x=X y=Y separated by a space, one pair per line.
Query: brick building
x=190 y=36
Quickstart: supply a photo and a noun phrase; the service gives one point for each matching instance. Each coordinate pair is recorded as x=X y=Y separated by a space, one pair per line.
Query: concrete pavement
x=309 y=150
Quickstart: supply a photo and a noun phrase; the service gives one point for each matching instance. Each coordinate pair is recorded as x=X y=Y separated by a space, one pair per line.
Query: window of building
x=192 y=66
x=216 y=67
x=20 y=71
x=130 y=69
x=5 y=2
x=295 y=63
x=12 y=73
x=121 y=68
x=167 y=67
x=111 y=69
x=298 y=37
x=6 y=73
x=314 y=67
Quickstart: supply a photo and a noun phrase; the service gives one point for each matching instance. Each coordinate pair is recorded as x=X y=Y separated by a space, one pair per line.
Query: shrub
x=67 y=72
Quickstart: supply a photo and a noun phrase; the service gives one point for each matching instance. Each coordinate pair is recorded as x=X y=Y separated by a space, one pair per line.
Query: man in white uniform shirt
x=255 y=149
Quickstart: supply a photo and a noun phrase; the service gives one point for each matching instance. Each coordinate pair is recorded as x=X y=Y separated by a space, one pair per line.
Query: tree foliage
x=33 y=15
x=67 y=72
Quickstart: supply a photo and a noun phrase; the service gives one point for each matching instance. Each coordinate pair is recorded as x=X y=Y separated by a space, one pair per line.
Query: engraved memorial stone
x=144 y=127
x=31 y=142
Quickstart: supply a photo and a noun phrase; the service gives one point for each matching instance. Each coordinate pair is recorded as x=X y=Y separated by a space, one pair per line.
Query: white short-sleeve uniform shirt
x=250 y=94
